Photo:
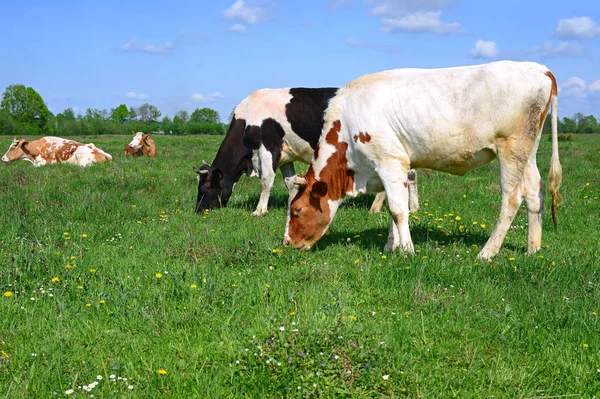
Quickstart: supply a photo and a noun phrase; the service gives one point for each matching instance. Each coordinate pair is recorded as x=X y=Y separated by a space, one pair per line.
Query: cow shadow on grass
x=370 y=239
x=279 y=200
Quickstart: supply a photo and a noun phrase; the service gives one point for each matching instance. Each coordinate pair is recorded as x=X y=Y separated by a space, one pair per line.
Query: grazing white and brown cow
x=49 y=150
x=141 y=145
x=270 y=129
x=452 y=120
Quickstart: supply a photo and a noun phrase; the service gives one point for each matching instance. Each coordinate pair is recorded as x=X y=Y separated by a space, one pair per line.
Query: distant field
x=106 y=271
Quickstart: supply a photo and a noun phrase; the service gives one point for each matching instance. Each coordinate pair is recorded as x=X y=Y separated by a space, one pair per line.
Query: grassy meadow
x=111 y=286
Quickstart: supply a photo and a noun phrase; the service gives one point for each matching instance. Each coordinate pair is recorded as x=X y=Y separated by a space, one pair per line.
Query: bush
x=204 y=128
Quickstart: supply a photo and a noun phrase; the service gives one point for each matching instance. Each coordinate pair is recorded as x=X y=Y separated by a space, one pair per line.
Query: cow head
x=136 y=143
x=214 y=188
x=311 y=210
x=15 y=151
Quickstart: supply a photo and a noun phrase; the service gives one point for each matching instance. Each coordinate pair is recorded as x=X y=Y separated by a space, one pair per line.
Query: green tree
x=205 y=115
x=68 y=114
x=25 y=105
x=148 y=113
x=183 y=115
x=588 y=124
x=569 y=125
x=178 y=125
x=120 y=114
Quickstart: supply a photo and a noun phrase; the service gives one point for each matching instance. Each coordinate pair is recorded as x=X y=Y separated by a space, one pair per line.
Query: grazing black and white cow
x=270 y=129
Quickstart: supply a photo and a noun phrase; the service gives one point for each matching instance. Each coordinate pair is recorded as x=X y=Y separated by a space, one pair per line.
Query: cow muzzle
x=5 y=159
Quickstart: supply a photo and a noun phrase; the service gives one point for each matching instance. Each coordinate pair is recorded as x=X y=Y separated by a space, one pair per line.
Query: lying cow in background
x=49 y=150
x=451 y=120
x=141 y=145
x=270 y=129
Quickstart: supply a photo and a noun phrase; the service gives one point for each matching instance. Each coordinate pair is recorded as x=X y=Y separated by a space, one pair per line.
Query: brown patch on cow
x=553 y=92
x=310 y=212
x=132 y=152
x=66 y=151
x=363 y=137
x=148 y=146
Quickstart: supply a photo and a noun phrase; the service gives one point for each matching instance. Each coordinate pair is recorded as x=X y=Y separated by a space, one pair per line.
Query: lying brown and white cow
x=379 y=126
x=270 y=129
x=141 y=145
x=49 y=150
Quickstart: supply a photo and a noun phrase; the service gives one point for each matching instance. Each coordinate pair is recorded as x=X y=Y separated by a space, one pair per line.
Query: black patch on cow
x=272 y=138
x=306 y=109
x=252 y=137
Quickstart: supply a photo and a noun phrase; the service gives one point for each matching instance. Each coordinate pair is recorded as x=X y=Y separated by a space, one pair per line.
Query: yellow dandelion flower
x=66 y=233
x=234 y=285
x=594 y=314
x=267 y=286
x=87 y=305
x=439 y=227
x=585 y=197
x=457 y=218
x=139 y=222
x=482 y=226
x=553 y=263
x=55 y=279
x=80 y=287
x=8 y=294
x=464 y=195
x=161 y=371
x=158 y=275
x=587 y=184
x=92 y=271
x=353 y=318
x=292 y=313
x=424 y=256
x=4 y=354
x=193 y=286
x=511 y=259
x=73 y=257
x=379 y=235
x=84 y=235
x=475 y=223
x=383 y=257
x=417 y=251
x=101 y=301
x=357 y=260
x=585 y=346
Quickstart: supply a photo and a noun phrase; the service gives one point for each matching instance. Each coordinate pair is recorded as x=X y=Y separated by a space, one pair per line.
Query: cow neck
x=32 y=149
x=335 y=173
x=232 y=153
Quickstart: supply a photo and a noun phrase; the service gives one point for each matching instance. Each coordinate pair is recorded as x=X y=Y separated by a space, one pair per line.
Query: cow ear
x=319 y=190
x=217 y=174
x=22 y=143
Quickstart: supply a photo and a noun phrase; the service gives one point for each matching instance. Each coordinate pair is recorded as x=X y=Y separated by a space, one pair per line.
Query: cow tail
x=555 y=173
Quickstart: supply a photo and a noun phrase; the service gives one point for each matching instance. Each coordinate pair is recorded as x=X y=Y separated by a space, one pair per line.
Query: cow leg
x=377 y=202
x=395 y=181
x=413 y=195
x=513 y=158
x=533 y=189
x=413 y=192
x=267 y=178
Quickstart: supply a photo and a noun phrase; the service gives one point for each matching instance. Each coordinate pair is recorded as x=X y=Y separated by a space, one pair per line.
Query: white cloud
x=595 y=86
x=562 y=49
x=136 y=96
x=246 y=11
x=357 y=43
x=414 y=16
x=132 y=47
x=484 y=50
x=577 y=28
x=239 y=28
x=201 y=98
x=573 y=87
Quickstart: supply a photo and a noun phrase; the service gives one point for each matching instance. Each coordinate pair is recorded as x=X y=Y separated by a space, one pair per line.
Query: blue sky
x=193 y=54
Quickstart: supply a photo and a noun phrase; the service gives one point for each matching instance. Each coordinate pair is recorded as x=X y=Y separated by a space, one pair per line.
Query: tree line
x=24 y=112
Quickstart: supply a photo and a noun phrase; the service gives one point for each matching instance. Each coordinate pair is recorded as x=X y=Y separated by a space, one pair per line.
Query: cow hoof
x=259 y=213
x=484 y=257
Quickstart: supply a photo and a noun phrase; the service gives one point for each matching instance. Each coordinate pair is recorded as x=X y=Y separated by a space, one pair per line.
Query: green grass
x=237 y=315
